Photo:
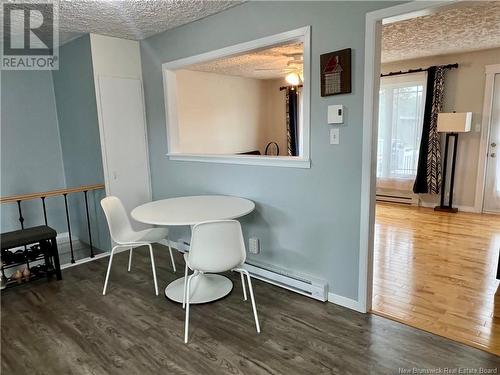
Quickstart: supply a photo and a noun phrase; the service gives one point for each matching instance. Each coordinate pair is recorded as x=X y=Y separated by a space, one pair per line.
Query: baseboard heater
x=305 y=285
x=410 y=199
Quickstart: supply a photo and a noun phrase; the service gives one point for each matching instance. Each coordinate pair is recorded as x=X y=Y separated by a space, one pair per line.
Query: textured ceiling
x=273 y=60
x=130 y=19
x=469 y=27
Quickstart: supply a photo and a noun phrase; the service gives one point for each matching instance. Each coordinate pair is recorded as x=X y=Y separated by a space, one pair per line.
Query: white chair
x=216 y=246
x=125 y=237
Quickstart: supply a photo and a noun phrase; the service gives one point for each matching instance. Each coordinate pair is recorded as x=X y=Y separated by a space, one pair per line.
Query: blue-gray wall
x=31 y=159
x=79 y=132
x=308 y=220
x=50 y=140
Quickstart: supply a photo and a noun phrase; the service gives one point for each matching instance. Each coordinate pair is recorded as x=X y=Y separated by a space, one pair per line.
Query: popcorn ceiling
x=131 y=19
x=465 y=28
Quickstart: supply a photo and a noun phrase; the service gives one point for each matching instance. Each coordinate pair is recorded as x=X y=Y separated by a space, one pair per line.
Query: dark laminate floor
x=68 y=327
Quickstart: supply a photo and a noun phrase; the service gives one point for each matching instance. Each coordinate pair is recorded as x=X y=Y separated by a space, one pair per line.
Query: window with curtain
x=401 y=110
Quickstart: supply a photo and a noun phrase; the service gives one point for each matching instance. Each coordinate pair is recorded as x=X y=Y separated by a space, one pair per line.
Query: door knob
x=493 y=154
x=493 y=144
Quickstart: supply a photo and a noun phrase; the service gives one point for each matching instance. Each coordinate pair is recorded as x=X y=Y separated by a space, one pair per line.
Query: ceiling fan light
x=293 y=79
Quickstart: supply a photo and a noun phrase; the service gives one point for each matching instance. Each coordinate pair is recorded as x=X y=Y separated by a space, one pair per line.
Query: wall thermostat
x=336 y=114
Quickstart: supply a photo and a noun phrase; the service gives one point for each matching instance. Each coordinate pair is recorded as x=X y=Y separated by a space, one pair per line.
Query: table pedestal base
x=204 y=288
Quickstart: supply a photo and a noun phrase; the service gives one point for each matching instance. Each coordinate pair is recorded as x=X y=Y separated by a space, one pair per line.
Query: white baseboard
x=346 y=302
x=63 y=238
x=89 y=259
x=181 y=245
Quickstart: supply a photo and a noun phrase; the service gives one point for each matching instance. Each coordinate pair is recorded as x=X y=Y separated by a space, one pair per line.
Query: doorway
x=438 y=269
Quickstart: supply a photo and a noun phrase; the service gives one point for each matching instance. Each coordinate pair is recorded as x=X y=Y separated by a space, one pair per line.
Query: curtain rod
x=449 y=66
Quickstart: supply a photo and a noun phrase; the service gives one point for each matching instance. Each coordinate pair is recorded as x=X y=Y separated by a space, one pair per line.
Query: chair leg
x=185 y=286
x=129 y=260
x=109 y=269
x=250 y=289
x=153 y=267
x=172 y=258
x=243 y=286
x=186 y=323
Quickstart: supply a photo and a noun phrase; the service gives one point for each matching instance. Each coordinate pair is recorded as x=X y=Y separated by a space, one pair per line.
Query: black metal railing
x=19 y=199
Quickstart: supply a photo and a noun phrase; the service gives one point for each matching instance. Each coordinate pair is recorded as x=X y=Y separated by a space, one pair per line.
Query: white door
x=492 y=182
x=124 y=137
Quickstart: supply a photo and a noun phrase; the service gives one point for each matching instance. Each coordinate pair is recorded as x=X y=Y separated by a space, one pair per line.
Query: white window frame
x=398 y=81
x=302 y=34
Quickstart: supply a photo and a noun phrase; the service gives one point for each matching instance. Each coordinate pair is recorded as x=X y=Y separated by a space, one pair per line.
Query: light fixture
x=451 y=124
x=293 y=79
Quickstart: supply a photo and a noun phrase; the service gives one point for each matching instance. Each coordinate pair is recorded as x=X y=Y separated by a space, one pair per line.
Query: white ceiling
x=131 y=19
x=274 y=60
x=465 y=27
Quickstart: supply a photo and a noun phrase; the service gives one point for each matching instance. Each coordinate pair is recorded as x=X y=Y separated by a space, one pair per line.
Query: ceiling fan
x=294 y=64
x=294 y=69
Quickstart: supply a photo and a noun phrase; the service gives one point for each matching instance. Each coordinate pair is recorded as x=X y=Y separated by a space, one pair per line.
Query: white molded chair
x=125 y=237
x=216 y=246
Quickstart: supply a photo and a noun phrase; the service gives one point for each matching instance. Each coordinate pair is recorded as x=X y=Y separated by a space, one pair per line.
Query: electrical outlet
x=334 y=136
x=253 y=245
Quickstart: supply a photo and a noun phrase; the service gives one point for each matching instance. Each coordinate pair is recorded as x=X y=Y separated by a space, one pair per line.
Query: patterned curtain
x=428 y=179
x=291 y=120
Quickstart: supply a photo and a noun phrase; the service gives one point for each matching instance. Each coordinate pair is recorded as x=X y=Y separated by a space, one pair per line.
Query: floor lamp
x=451 y=124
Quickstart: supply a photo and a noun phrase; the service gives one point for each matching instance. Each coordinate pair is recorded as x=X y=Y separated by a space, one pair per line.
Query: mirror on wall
x=250 y=103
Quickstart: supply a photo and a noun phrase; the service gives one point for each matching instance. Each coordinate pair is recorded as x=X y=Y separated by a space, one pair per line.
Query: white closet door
x=492 y=183
x=124 y=137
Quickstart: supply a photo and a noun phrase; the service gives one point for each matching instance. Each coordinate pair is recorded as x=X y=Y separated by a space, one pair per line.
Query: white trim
x=170 y=95
x=346 y=302
x=269 y=161
x=373 y=28
x=63 y=238
x=89 y=259
x=490 y=71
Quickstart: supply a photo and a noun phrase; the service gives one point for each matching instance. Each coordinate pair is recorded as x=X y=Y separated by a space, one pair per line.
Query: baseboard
x=89 y=259
x=63 y=238
x=180 y=245
x=346 y=302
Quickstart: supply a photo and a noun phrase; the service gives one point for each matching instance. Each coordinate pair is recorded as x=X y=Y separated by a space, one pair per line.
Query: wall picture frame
x=335 y=70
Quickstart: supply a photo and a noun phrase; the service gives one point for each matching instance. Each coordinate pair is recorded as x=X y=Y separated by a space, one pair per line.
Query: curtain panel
x=428 y=179
x=292 y=112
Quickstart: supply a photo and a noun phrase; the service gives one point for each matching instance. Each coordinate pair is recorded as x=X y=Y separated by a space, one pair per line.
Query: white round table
x=189 y=211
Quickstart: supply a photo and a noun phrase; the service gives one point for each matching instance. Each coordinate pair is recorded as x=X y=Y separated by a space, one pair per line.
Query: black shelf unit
x=36 y=244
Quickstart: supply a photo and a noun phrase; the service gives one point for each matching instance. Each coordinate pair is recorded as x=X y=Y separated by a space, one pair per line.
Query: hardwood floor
x=436 y=271
x=68 y=327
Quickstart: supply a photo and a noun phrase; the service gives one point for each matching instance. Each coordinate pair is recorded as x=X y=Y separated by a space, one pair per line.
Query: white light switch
x=336 y=114
x=334 y=136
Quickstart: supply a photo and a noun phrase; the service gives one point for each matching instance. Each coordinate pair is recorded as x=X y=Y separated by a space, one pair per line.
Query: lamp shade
x=454 y=122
